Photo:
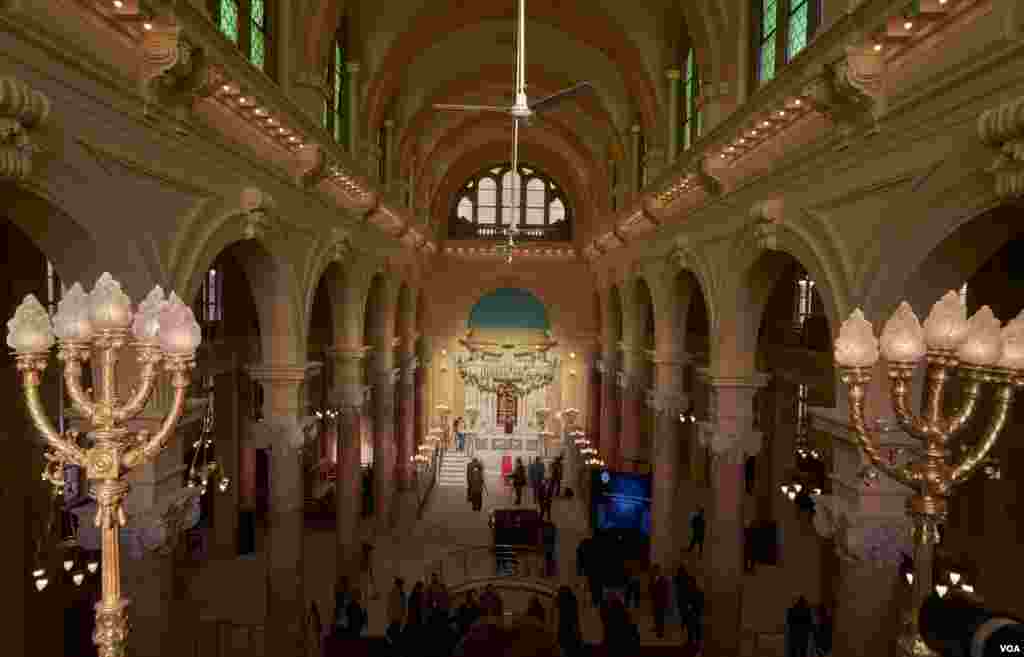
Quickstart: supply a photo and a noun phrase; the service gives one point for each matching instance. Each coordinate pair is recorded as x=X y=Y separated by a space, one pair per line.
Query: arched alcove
x=509 y=308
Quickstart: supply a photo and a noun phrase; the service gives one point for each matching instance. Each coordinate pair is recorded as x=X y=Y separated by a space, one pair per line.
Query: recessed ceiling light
x=753 y=133
x=878 y=47
x=782 y=113
x=225 y=87
x=765 y=124
x=742 y=141
x=723 y=156
x=147 y=26
x=908 y=25
x=798 y=102
x=118 y=4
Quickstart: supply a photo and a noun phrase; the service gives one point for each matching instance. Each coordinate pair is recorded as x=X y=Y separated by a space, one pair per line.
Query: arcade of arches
x=692 y=233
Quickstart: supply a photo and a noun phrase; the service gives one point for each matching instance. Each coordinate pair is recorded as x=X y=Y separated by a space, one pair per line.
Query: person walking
x=661 y=594
x=799 y=625
x=549 y=536
x=476 y=483
x=342 y=597
x=681 y=583
x=519 y=480
x=356 y=616
x=697 y=527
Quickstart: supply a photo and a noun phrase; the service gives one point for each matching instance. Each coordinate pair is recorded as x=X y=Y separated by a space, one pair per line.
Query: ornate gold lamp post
x=99 y=325
x=978 y=351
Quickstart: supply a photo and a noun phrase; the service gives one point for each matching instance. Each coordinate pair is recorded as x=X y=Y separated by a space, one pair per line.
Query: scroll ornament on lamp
x=97 y=326
x=979 y=351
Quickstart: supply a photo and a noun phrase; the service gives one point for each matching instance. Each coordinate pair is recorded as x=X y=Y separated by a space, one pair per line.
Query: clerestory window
x=497 y=198
x=784 y=28
x=246 y=23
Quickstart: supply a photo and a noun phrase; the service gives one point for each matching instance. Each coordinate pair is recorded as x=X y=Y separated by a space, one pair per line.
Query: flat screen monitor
x=621 y=500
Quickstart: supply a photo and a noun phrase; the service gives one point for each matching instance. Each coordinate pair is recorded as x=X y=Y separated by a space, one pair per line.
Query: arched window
x=785 y=27
x=691 y=119
x=336 y=105
x=497 y=197
x=246 y=23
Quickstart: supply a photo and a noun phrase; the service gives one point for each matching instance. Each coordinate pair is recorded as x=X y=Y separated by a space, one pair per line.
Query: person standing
x=469 y=612
x=356 y=616
x=697 y=527
x=342 y=597
x=823 y=631
x=519 y=480
x=536 y=476
x=476 y=483
x=460 y=437
x=556 y=476
x=681 y=583
x=544 y=498
x=661 y=593
x=549 y=534
x=415 y=606
x=396 y=611
x=695 y=614
x=799 y=624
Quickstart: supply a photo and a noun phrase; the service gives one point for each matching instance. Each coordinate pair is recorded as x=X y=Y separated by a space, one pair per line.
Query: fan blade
x=548 y=102
x=471 y=108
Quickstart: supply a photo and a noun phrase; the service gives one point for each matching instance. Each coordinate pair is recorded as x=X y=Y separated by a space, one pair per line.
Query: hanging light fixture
x=204 y=468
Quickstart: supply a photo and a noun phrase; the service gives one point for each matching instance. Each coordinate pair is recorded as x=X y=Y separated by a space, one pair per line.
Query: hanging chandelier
x=509 y=247
x=204 y=468
x=75 y=562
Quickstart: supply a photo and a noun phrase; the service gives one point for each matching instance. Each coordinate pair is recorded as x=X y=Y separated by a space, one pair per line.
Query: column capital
x=283 y=372
x=1002 y=128
x=875 y=539
x=673 y=74
x=733 y=444
x=22 y=109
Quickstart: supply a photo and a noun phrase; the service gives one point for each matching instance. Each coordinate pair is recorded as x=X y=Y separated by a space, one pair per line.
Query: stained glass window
x=465 y=210
x=799 y=24
x=766 y=52
x=228 y=22
x=691 y=97
x=257 y=33
x=535 y=202
x=497 y=196
x=338 y=92
x=511 y=191
x=487 y=201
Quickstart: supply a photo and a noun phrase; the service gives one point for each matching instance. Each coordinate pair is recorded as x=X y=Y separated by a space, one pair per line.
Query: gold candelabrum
x=977 y=350
x=98 y=325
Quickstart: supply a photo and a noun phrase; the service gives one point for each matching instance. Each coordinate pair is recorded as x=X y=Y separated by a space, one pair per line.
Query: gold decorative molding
x=1002 y=128
x=22 y=109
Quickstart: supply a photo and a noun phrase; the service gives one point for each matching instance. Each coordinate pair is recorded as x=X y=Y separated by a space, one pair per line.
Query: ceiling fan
x=521 y=109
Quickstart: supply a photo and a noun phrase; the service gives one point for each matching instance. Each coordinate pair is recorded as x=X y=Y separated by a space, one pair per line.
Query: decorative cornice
x=22 y=109
x=1002 y=128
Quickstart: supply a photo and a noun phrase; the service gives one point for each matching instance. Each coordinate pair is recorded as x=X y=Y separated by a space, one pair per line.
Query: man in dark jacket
x=556 y=477
x=661 y=595
x=697 y=526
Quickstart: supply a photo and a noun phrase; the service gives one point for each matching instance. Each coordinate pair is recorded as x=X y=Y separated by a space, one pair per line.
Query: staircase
x=453 y=470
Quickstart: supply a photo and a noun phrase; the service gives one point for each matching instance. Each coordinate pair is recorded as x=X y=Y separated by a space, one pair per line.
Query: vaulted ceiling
x=414 y=53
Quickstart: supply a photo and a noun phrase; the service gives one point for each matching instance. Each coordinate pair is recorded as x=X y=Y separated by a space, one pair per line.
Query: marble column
x=609 y=446
x=406 y=425
x=352 y=68
x=384 y=446
x=226 y=503
x=419 y=406
x=633 y=396
x=673 y=75
x=730 y=434
x=282 y=406
x=870 y=530
x=669 y=402
x=348 y=394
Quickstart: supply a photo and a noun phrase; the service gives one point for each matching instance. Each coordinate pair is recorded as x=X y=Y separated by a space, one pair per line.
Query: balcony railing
x=459 y=229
